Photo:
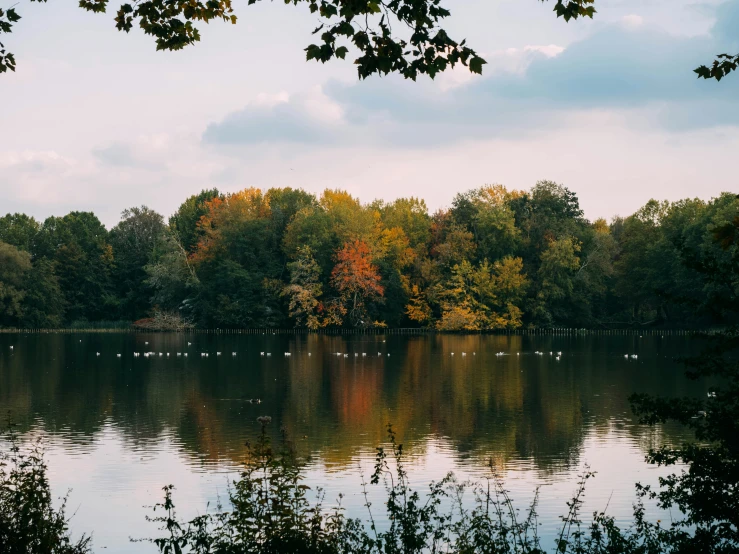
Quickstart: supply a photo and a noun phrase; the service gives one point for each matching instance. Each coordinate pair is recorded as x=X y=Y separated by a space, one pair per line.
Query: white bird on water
x=261 y=353
x=188 y=344
x=218 y=353
x=634 y=356
x=96 y=353
x=118 y=355
x=11 y=348
x=233 y=353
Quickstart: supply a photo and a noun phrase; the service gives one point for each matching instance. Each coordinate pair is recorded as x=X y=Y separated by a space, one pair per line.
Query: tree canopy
x=496 y=259
x=422 y=47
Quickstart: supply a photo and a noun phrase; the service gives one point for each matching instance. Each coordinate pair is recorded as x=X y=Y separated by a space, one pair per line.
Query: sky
x=96 y=119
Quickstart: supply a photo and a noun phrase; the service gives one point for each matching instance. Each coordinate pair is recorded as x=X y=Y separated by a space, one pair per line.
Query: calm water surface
x=117 y=429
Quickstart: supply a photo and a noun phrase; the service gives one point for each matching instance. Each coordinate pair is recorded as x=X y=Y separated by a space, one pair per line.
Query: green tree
x=171 y=276
x=43 y=303
x=556 y=281
x=595 y=278
x=83 y=259
x=487 y=213
x=14 y=266
x=19 y=230
x=133 y=241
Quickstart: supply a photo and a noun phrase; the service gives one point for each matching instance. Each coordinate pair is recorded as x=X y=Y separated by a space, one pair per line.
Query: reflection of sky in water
x=118 y=429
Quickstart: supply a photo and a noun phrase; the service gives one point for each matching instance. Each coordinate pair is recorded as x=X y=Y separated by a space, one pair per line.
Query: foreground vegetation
x=496 y=259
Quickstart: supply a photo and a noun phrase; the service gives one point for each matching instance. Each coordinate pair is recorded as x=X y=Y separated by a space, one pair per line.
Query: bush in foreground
x=29 y=523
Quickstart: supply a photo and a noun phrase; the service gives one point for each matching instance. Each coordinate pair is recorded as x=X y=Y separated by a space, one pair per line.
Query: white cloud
x=632 y=21
x=550 y=50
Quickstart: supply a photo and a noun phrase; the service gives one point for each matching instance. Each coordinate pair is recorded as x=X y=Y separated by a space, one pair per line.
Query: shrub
x=29 y=524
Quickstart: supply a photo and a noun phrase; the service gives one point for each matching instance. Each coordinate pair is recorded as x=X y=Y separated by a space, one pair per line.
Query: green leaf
x=476 y=64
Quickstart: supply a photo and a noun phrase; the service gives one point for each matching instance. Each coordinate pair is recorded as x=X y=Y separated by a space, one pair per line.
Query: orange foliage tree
x=357 y=280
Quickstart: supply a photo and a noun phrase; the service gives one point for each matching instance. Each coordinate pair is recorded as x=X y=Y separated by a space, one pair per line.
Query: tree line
x=495 y=259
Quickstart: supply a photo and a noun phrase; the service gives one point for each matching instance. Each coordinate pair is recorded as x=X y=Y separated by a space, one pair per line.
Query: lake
x=117 y=429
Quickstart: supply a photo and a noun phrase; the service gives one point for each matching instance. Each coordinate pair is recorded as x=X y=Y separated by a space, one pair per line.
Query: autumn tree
x=304 y=290
x=418 y=309
x=483 y=297
x=184 y=222
x=357 y=281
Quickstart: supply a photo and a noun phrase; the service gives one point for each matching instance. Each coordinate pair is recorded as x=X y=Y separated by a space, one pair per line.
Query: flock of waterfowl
x=557 y=355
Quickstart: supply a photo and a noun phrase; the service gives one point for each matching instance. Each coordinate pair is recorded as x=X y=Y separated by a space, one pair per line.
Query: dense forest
x=496 y=259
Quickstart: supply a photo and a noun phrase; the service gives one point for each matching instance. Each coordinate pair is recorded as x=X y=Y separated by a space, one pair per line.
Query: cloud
x=309 y=118
x=116 y=154
x=635 y=69
x=143 y=152
x=632 y=20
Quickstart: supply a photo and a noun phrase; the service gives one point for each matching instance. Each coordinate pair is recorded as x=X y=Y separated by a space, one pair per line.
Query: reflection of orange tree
x=356 y=394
